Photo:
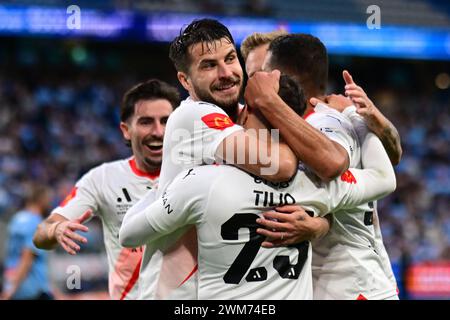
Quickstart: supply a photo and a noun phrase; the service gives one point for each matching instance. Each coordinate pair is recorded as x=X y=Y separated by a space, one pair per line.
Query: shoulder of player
x=107 y=169
x=192 y=108
x=203 y=176
x=334 y=120
x=326 y=115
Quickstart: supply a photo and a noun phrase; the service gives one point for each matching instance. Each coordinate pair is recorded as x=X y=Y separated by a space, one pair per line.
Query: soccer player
x=224 y=204
x=201 y=131
x=366 y=275
x=254 y=49
x=26 y=273
x=107 y=191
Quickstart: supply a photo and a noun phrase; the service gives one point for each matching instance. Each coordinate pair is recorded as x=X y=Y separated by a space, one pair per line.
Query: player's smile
x=154 y=147
x=229 y=88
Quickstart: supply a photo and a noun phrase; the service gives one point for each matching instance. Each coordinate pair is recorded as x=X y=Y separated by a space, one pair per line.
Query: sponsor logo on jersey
x=69 y=197
x=347 y=176
x=217 y=121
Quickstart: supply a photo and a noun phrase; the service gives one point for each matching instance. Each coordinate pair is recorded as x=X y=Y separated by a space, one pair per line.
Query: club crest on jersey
x=217 y=121
x=347 y=176
x=69 y=197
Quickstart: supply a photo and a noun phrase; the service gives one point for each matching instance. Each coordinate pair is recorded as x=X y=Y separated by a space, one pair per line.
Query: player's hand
x=66 y=236
x=338 y=102
x=260 y=88
x=364 y=106
x=287 y=225
x=335 y=101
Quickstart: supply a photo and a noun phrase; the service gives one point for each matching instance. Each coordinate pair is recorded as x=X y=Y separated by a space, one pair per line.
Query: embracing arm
x=259 y=152
x=323 y=156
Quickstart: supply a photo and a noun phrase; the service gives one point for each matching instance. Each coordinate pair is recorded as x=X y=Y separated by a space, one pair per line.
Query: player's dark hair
x=149 y=90
x=292 y=94
x=204 y=31
x=304 y=57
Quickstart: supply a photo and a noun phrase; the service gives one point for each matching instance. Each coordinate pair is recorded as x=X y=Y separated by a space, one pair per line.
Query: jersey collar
x=151 y=175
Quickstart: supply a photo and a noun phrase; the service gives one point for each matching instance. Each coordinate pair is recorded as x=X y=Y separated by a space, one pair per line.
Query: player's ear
x=184 y=80
x=125 y=130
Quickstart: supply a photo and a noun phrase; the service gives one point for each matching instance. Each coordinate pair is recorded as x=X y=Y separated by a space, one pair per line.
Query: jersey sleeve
x=329 y=123
x=357 y=186
x=84 y=196
x=209 y=125
x=182 y=203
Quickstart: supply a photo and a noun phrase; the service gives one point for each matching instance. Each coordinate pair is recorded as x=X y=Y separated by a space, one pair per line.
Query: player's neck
x=233 y=113
x=145 y=168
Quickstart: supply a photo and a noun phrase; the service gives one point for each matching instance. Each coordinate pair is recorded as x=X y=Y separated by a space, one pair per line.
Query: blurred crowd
x=54 y=128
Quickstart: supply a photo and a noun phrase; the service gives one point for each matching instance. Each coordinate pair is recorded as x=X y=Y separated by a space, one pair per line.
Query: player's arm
x=323 y=156
x=258 y=152
x=376 y=180
x=376 y=121
x=181 y=204
x=57 y=229
x=26 y=260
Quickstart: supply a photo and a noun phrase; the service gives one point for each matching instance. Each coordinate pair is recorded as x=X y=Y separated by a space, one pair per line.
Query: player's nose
x=225 y=71
x=158 y=129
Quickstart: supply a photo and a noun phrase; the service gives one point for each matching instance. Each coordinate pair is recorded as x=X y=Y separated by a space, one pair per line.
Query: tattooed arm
x=375 y=120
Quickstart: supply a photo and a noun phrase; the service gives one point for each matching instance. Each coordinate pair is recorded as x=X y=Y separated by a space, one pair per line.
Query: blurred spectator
x=257 y=8
x=26 y=267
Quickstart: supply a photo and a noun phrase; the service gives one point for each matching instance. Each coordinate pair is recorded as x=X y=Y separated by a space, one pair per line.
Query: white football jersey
x=337 y=127
x=349 y=262
x=109 y=190
x=381 y=249
x=223 y=203
x=193 y=133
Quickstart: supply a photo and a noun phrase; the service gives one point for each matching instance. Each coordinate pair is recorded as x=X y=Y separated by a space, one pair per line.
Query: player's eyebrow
x=232 y=51
x=143 y=118
x=205 y=61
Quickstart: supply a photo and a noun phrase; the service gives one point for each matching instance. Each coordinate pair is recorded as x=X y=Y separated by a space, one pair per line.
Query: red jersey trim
x=132 y=281
x=189 y=275
x=151 y=175
x=308 y=114
x=69 y=197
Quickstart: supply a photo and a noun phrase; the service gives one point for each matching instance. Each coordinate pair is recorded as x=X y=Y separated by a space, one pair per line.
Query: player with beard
x=224 y=204
x=107 y=191
x=350 y=262
x=201 y=131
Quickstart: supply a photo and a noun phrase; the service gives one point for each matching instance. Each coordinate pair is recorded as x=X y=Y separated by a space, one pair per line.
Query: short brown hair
x=304 y=57
x=149 y=90
x=258 y=39
x=35 y=192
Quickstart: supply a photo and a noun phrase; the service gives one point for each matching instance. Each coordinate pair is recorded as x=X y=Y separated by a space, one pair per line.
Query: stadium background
x=60 y=90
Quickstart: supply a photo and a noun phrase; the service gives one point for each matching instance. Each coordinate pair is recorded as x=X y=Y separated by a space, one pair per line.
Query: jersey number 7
x=240 y=266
